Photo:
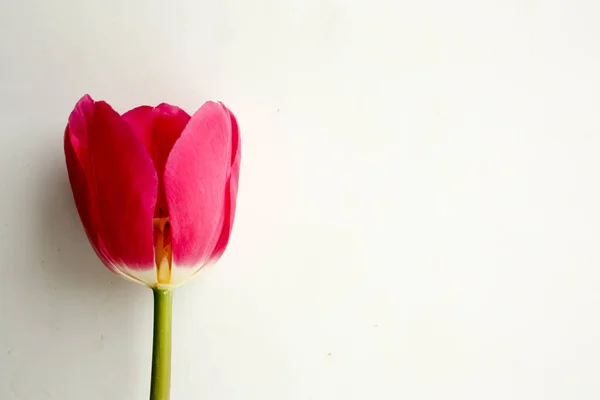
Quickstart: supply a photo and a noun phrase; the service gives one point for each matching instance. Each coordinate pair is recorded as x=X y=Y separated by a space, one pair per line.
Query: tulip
x=156 y=191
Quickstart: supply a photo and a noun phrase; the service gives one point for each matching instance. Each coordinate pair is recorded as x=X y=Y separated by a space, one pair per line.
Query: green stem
x=161 y=347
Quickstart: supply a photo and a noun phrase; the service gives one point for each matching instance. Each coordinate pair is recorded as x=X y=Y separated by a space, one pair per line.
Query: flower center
x=162 y=249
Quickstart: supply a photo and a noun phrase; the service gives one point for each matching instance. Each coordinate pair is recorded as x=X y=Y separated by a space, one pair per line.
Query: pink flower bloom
x=155 y=188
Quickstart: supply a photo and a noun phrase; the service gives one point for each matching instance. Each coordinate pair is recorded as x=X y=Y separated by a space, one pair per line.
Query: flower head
x=155 y=188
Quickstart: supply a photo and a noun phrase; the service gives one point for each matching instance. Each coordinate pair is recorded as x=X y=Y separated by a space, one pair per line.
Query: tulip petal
x=78 y=168
x=139 y=120
x=77 y=129
x=232 y=190
x=79 y=184
x=158 y=128
x=123 y=185
x=195 y=177
x=169 y=123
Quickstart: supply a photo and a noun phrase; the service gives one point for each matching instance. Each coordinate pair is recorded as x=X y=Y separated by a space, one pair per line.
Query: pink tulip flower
x=155 y=188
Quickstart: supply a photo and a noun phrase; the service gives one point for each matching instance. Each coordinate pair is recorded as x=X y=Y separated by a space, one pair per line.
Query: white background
x=418 y=215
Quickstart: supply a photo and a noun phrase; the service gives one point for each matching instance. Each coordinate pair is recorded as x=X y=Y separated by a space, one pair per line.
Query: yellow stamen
x=162 y=251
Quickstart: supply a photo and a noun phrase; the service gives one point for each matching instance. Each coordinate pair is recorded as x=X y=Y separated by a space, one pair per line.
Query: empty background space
x=419 y=205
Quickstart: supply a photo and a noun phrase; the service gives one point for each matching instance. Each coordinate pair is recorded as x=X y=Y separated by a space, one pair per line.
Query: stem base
x=160 y=386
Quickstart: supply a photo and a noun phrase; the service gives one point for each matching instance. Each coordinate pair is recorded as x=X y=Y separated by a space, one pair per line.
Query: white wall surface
x=419 y=209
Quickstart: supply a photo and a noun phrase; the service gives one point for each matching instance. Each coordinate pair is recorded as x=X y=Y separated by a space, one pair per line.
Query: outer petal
x=196 y=177
x=79 y=171
x=125 y=187
x=114 y=185
x=232 y=190
x=80 y=188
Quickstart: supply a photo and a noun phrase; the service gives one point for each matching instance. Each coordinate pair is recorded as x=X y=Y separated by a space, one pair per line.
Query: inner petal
x=158 y=128
x=168 y=123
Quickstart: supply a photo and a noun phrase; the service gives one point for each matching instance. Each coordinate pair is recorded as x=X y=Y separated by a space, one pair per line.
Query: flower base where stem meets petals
x=160 y=385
